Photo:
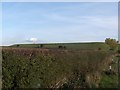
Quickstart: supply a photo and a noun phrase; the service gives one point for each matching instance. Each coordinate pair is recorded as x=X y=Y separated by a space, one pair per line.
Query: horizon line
x=56 y=43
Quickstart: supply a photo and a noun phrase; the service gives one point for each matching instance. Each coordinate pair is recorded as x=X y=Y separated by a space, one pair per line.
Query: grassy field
x=77 y=66
x=71 y=46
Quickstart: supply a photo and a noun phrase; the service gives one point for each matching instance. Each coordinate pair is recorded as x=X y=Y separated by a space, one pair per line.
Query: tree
x=60 y=47
x=112 y=43
x=17 y=45
x=41 y=45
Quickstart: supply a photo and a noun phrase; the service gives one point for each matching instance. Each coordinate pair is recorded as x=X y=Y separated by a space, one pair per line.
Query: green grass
x=111 y=80
x=72 y=46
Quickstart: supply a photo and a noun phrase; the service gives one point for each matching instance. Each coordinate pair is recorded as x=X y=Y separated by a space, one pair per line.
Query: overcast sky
x=59 y=22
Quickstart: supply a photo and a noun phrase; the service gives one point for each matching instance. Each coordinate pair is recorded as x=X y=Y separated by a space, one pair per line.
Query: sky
x=50 y=22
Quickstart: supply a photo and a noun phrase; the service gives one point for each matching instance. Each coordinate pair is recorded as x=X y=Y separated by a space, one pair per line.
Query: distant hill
x=75 y=46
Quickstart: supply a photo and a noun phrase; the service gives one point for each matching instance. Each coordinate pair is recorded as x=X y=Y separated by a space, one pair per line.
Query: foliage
x=113 y=43
x=35 y=68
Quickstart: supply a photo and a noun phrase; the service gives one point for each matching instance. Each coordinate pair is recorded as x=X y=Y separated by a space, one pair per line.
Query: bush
x=46 y=68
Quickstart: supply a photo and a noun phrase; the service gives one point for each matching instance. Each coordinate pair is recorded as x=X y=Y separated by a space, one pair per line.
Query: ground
x=81 y=65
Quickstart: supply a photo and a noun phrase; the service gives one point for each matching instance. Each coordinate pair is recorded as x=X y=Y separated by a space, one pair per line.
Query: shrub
x=47 y=68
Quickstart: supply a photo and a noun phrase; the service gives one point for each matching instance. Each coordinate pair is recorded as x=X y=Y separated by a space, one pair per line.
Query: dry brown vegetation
x=38 y=68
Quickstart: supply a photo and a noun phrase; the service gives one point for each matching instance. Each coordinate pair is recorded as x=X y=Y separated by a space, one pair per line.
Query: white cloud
x=32 y=40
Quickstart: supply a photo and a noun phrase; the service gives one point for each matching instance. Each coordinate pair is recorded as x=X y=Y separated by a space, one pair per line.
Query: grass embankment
x=110 y=79
x=36 y=68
